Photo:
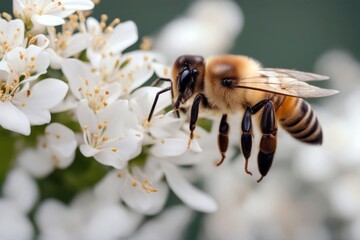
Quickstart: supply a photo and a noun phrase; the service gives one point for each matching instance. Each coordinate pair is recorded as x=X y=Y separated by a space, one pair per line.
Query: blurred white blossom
x=87 y=217
x=19 y=195
x=56 y=149
x=208 y=28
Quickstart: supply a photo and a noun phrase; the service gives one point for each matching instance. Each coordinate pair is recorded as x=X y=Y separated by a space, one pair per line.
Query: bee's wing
x=285 y=86
x=301 y=76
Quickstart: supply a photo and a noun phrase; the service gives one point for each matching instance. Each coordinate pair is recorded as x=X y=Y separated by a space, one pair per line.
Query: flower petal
x=116 y=153
x=170 y=147
x=171 y=224
x=13 y=223
x=11 y=118
x=78 y=5
x=44 y=95
x=190 y=195
x=21 y=189
x=35 y=162
x=105 y=221
x=124 y=35
x=47 y=20
x=88 y=151
x=77 y=43
x=86 y=117
x=115 y=115
x=61 y=140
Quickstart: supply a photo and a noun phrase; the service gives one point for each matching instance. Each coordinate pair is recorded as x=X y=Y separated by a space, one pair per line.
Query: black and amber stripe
x=300 y=120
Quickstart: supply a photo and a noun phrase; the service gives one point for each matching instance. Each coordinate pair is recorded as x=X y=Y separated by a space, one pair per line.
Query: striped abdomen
x=297 y=117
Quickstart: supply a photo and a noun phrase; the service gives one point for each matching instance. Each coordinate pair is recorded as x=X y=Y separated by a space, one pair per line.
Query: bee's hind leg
x=268 y=139
x=223 y=138
x=246 y=137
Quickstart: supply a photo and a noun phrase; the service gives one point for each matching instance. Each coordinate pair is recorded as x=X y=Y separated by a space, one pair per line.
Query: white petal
x=55 y=59
x=124 y=35
x=108 y=188
x=88 y=151
x=190 y=195
x=36 y=163
x=47 y=20
x=11 y=118
x=162 y=71
x=78 y=5
x=170 y=147
x=93 y=26
x=45 y=95
x=61 y=140
x=77 y=43
x=51 y=216
x=21 y=189
x=79 y=76
x=115 y=116
x=143 y=98
x=171 y=224
x=165 y=127
x=86 y=117
x=13 y=223
x=125 y=148
x=41 y=41
x=111 y=222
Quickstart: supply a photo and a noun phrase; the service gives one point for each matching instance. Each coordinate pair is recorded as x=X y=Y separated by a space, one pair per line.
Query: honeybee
x=231 y=83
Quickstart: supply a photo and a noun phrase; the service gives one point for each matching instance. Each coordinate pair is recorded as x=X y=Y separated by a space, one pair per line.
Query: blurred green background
x=290 y=34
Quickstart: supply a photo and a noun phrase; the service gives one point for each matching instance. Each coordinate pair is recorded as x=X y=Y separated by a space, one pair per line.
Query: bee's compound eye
x=227 y=82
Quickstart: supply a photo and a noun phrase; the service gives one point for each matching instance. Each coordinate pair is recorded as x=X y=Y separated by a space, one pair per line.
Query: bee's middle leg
x=223 y=138
x=194 y=115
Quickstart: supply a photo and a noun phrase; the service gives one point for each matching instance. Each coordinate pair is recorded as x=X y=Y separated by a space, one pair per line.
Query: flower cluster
x=66 y=72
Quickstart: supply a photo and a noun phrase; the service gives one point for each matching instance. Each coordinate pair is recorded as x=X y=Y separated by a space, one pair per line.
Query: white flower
x=55 y=149
x=87 y=217
x=106 y=137
x=64 y=45
x=85 y=84
x=48 y=12
x=23 y=64
x=20 y=103
x=131 y=70
x=142 y=190
x=11 y=35
x=109 y=40
x=19 y=195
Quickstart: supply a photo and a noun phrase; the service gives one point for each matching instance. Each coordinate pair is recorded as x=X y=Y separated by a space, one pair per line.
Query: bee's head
x=190 y=73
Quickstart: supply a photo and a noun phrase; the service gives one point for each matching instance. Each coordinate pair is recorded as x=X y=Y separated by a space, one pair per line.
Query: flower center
x=139 y=182
x=96 y=97
x=43 y=7
x=98 y=138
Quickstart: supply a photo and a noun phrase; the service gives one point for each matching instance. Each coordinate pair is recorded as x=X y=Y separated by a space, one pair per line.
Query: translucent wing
x=302 y=76
x=286 y=82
